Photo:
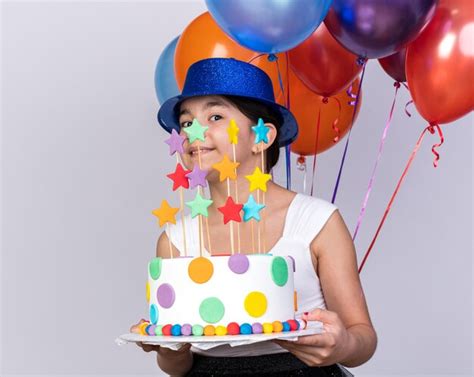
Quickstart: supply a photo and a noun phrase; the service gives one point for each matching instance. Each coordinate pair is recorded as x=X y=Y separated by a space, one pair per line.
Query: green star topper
x=199 y=206
x=195 y=131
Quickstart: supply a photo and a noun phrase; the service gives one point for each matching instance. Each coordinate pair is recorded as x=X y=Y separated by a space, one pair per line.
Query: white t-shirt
x=305 y=218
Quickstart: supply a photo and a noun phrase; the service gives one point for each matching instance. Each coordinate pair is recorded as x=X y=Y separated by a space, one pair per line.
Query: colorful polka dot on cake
x=166 y=330
x=186 y=329
x=159 y=330
x=277 y=326
x=267 y=328
x=257 y=328
x=238 y=263
x=155 y=268
x=147 y=292
x=255 y=304
x=150 y=330
x=279 y=271
x=286 y=326
x=153 y=314
x=198 y=330
x=200 y=270
x=221 y=330
x=211 y=310
x=294 y=325
x=209 y=330
x=143 y=327
x=165 y=295
x=176 y=330
x=233 y=328
x=245 y=329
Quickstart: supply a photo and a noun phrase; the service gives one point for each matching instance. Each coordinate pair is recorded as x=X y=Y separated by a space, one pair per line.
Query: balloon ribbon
x=431 y=128
x=372 y=178
x=364 y=64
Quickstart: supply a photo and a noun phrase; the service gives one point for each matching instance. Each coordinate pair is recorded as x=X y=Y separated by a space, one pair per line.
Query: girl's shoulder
x=307 y=215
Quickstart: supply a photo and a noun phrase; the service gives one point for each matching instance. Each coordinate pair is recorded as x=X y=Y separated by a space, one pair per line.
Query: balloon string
x=349 y=135
x=315 y=150
x=406 y=107
x=430 y=128
x=409 y=102
x=287 y=147
x=280 y=81
x=336 y=121
x=372 y=178
x=305 y=175
x=255 y=57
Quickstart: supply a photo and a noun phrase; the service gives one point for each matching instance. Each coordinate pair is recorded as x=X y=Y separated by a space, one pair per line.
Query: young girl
x=309 y=229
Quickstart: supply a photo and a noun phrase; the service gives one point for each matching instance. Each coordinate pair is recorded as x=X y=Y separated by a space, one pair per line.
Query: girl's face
x=216 y=113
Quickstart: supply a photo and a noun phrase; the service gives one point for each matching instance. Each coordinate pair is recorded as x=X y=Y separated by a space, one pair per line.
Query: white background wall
x=83 y=163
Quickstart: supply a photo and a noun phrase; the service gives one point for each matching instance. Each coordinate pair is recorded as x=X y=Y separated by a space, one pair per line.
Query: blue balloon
x=165 y=80
x=268 y=26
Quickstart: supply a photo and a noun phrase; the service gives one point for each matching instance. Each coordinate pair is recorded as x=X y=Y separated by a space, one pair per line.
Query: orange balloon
x=203 y=39
x=306 y=105
x=440 y=63
x=323 y=64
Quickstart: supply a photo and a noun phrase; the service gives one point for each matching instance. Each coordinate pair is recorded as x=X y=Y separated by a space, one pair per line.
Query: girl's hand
x=332 y=346
x=162 y=351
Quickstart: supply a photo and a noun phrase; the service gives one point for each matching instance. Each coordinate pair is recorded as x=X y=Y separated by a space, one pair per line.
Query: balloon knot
x=396 y=84
x=361 y=60
x=272 y=57
x=432 y=126
x=325 y=100
x=301 y=163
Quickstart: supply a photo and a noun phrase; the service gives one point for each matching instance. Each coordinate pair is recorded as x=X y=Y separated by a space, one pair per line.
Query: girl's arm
x=340 y=282
x=349 y=337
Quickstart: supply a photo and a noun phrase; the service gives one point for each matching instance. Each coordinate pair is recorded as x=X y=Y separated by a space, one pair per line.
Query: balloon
x=269 y=26
x=165 y=82
x=440 y=64
x=203 y=39
x=378 y=28
x=323 y=64
x=305 y=106
x=394 y=65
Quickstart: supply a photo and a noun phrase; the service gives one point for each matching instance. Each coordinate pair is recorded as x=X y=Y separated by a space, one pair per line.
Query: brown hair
x=253 y=110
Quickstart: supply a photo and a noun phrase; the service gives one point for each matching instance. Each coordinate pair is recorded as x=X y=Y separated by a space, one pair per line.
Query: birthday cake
x=221 y=294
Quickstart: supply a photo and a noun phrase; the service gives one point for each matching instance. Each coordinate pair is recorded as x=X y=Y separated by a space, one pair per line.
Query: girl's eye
x=214 y=116
x=186 y=124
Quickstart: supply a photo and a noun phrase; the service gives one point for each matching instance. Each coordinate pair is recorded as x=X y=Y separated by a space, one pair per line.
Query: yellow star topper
x=233 y=132
x=166 y=213
x=258 y=180
x=226 y=168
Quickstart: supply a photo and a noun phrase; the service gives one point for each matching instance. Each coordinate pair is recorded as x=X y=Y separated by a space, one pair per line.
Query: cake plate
x=208 y=342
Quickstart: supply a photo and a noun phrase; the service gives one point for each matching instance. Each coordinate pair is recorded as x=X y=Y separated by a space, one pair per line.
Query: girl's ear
x=271 y=135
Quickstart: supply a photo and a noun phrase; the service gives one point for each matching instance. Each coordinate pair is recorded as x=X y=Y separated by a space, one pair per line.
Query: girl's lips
x=201 y=152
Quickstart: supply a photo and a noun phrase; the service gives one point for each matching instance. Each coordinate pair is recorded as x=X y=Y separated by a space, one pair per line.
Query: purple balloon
x=377 y=28
x=394 y=65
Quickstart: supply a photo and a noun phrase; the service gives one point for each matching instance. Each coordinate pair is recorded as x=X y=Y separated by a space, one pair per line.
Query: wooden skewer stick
x=201 y=238
x=237 y=200
x=169 y=240
x=230 y=222
x=181 y=195
x=199 y=216
x=263 y=201
x=253 y=237
x=258 y=224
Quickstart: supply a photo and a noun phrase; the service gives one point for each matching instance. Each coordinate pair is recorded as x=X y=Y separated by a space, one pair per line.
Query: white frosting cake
x=220 y=290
